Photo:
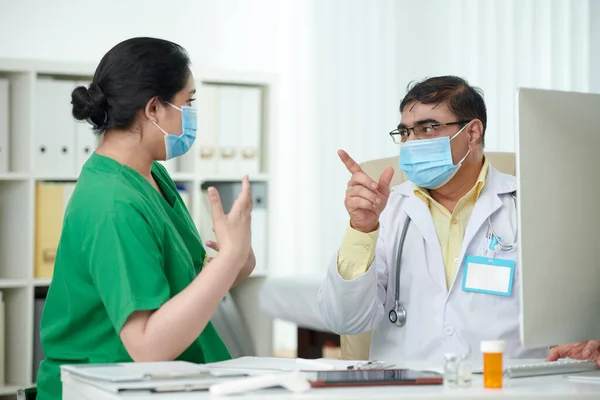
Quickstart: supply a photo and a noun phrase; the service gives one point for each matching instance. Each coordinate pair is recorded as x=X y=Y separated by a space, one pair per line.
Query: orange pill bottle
x=493 y=363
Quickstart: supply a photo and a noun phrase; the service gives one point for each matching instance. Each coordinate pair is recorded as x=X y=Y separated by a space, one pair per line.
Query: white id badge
x=488 y=275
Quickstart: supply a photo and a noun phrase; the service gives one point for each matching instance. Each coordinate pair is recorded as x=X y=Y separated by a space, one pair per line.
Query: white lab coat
x=438 y=320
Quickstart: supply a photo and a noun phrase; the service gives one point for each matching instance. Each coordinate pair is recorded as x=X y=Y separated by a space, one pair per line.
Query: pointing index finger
x=350 y=164
x=384 y=181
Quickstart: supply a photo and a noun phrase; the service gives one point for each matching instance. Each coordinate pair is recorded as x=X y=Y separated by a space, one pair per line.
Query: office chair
x=356 y=347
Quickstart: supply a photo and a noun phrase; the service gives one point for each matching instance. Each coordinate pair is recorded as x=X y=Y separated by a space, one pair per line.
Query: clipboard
x=152 y=377
x=136 y=372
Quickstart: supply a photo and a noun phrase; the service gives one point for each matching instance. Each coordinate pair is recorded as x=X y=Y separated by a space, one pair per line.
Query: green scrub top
x=123 y=248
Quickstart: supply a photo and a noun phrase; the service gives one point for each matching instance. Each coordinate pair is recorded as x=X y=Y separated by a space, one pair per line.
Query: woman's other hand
x=232 y=230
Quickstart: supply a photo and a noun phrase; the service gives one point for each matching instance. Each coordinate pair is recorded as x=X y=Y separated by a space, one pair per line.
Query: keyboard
x=560 y=367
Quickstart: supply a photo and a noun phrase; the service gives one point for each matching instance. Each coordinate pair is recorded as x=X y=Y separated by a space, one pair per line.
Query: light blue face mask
x=428 y=162
x=178 y=145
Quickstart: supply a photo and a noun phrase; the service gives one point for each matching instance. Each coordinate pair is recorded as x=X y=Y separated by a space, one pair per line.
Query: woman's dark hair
x=128 y=76
x=463 y=100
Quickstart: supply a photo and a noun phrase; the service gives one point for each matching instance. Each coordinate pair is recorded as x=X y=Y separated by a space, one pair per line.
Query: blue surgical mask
x=428 y=162
x=178 y=145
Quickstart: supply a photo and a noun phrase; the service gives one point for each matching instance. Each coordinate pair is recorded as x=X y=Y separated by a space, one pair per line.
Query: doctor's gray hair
x=463 y=100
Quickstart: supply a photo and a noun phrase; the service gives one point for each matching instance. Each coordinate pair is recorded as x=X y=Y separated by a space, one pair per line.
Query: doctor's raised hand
x=365 y=198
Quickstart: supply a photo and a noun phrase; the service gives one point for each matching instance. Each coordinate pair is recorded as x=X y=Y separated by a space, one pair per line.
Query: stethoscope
x=397 y=314
x=503 y=245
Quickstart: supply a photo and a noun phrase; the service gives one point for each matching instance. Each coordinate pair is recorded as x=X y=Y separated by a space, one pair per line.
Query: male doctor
x=458 y=280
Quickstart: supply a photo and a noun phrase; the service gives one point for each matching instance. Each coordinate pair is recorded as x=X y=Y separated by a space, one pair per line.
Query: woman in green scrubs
x=130 y=280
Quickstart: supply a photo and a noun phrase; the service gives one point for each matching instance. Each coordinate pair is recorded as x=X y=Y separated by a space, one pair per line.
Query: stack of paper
x=586 y=377
x=253 y=365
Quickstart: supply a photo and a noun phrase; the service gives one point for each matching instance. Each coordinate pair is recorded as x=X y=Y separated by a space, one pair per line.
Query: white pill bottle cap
x=492 y=346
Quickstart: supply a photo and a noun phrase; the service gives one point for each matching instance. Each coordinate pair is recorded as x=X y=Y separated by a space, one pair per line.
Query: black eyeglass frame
x=397 y=132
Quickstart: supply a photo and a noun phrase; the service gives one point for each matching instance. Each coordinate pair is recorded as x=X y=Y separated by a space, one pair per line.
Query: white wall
x=221 y=34
x=368 y=52
x=595 y=46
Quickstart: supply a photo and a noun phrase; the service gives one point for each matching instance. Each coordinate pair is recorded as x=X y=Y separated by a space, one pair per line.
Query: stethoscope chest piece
x=398 y=315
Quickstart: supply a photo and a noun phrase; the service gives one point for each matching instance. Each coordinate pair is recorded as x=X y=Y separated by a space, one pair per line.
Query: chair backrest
x=356 y=347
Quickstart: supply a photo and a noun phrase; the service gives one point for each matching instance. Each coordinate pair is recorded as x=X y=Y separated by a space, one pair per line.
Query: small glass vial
x=450 y=370
x=493 y=369
x=464 y=372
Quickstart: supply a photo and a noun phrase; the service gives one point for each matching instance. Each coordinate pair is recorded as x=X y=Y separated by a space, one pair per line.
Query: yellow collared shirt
x=451 y=226
x=358 y=249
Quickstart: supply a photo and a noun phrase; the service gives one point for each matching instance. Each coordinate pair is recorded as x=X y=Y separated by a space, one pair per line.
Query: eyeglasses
x=427 y=130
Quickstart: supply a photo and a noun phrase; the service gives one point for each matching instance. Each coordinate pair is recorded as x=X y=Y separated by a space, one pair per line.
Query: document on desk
x=332 y=364
x=270 y=364
x=585 y=377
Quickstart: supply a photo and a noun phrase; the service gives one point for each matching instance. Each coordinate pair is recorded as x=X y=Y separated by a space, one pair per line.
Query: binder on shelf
x=2 y=340
x=4 y=124
x=54 y=129
x=204 y=224
x=259 y=226
x=170 y=165
x=38 y=352
x=85 y=140
x=51 y=201
x=230 y=127
x=251 y=123
x=186 y=163
x=208 y=123
x=185 y=196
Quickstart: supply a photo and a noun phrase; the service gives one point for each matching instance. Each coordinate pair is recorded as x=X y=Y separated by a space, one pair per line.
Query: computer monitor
x=558 y=206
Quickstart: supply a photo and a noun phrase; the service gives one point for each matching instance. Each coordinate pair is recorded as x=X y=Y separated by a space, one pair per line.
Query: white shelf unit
x=18 y=182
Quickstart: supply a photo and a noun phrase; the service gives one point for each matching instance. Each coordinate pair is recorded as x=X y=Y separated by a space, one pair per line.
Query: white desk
x=549 y=387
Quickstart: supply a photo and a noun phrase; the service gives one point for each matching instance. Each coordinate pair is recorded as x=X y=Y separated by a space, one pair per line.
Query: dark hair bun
x=130 y=75
x=89 y=103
